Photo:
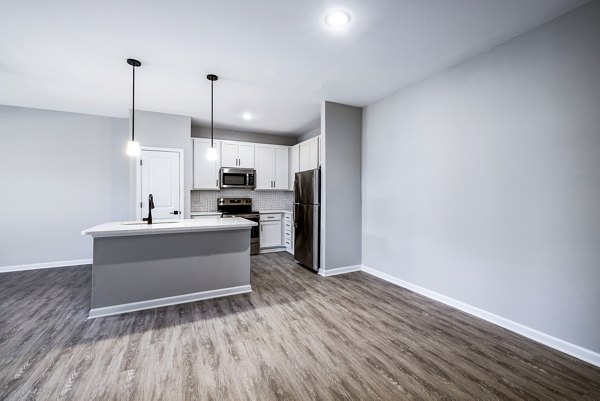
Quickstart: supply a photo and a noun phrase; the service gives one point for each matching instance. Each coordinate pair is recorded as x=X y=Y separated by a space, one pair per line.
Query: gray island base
x=159 y=266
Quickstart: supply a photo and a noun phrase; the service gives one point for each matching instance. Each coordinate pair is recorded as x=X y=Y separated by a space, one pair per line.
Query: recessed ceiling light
x=337 y=19
x=247 y=116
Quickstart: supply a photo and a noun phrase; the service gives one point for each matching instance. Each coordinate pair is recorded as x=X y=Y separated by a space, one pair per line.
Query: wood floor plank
x=297 y=336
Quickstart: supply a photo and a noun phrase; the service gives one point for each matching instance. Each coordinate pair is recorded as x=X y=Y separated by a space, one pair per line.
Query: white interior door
x=160 y=176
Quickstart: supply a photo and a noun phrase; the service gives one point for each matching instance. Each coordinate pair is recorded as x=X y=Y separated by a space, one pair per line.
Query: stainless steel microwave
x=237 y=178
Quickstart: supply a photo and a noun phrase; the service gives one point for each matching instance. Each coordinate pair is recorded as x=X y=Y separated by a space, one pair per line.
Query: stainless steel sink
x=143 y=223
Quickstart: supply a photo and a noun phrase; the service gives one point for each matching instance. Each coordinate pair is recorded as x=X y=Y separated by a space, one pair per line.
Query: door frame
x=138 y=179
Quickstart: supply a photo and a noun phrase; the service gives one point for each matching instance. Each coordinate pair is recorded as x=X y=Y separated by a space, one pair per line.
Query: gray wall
x=166 y=131
x=245 y=136
x=60 y=173
x=309 y=135
x=482 y=183
x=341 y=185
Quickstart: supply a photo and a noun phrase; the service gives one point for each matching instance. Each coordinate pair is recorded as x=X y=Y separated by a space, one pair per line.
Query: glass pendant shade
x=133 y=148
x=211 y=153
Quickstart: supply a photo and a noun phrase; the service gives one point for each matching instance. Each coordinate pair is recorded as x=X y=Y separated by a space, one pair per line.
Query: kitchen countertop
x=274 y=211
x=127 y=228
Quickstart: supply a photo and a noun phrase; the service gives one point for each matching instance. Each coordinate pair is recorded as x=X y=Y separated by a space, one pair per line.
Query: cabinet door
x=245 y=155
x=294 y=164
x=264 y=166
x=313 y=153
x=304 y=156
x=281 y=167
x=270 y=234
x=229 y=154
x=206 y=172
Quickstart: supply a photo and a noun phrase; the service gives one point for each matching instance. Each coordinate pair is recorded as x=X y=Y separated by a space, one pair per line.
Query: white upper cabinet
x=206 y=172
x=229 y=154
x=265 y=159
x=246 y=155
x=237 y=154
x=272 y=167
x=281 y=167
x=294 y=164
x=310 y=154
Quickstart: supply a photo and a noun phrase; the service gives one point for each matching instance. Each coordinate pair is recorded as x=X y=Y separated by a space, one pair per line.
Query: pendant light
x=211 y=153
x=133 y=146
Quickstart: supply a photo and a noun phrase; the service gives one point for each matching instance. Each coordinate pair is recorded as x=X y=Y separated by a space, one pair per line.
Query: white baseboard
x=568 y=348
x=46 y=265
x=340 y=270
x=272 y=250
x=167 y=301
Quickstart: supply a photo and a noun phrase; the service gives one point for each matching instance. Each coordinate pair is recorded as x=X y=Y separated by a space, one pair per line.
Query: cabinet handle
x=217 y=183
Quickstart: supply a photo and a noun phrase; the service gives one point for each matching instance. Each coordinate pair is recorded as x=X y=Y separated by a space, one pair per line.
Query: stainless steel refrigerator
x=307 y=217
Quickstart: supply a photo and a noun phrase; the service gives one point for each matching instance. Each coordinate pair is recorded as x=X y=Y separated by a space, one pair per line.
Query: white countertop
x=126 y=228
x=274 y=211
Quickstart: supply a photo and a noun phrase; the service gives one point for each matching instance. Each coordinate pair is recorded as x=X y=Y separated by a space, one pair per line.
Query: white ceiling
x=275 y=58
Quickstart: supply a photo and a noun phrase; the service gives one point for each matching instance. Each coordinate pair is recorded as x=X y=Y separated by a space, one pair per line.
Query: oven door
x=254 y=234
x=237 y=178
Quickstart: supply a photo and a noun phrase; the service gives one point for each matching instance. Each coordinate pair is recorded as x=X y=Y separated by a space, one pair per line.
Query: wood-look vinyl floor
x=297 y=336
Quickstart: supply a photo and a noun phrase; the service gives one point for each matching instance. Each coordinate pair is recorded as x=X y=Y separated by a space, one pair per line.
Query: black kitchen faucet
x=150 y=207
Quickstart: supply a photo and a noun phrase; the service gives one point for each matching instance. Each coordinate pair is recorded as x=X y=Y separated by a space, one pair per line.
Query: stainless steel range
x=242 y=207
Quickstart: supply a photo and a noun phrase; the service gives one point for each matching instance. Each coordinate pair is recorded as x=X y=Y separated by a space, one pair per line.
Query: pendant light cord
x=133 y=108
x=212 y=97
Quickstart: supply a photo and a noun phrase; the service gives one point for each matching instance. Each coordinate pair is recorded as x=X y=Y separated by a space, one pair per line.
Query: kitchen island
x=140 y=266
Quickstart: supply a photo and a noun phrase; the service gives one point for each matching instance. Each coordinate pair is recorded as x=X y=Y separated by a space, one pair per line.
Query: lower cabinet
x=270 y=230
x=270 y=234
x=288 y=233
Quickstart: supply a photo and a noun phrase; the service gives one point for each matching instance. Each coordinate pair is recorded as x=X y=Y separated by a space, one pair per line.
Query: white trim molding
x=339 y=270
x=167 y=301
x=45 y=265
x=576 y=351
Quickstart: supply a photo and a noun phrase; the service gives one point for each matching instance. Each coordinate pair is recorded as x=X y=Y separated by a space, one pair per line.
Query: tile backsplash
x=206 y=201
